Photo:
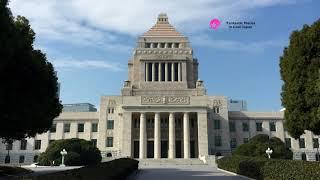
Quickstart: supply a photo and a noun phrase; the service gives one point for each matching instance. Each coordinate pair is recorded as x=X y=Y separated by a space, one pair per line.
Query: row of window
x=302 y=144
x=21 y=159
x=37 y=143
x=233 y=142
x=245 y=126
x=94 y=127
x=23 y=145
x=161 y=45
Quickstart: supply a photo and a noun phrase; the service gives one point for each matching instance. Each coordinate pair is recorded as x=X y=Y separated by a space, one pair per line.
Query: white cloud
x=232 y=45
x=86 y=64
x=99 y=22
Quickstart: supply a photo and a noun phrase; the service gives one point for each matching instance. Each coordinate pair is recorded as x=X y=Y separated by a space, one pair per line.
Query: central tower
x=163 y=63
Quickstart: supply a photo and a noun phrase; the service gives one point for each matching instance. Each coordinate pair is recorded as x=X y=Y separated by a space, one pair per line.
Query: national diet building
x=163 y=112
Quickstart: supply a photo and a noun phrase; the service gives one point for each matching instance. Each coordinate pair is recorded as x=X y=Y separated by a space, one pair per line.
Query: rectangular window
x=245 y=126
x=169 y=45
x=81 y=127
x=109 y=141
x=156 y=73
x=23 y=144
x=94 y=142
x=217 y=140
x=232 y=126
x=66 y=127
x=9 y=146
x=216 y=124
x=216 y=110
x=110 y=124
x=53 y=128
x=302 y=143
x=288 y=142
x=233 y=143
x=245 y=140
x=136 y=123
x=37 y=144
x=272 y=126
x=169 y=71
x=21 y=159
x=147 y=45
x=94 y=127
x=259 y=126
x=162 y=45
x=176 y=45
x=315 y=142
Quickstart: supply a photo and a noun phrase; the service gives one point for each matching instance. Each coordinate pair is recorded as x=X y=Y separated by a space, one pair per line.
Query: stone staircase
x=152 y=162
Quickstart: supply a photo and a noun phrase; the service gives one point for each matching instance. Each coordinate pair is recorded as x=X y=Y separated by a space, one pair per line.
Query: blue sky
x=90 y=42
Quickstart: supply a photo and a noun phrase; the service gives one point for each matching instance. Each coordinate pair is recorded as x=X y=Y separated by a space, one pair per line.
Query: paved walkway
x=183 y=172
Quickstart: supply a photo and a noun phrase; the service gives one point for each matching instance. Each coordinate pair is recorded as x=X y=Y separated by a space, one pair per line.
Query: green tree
x=300 y=72
x=80 y=152
x=257 y=146
x=28 y=95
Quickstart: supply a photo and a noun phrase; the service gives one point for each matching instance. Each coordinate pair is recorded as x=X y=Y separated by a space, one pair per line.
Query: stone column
x=186 y=136
x=153 y=71
x=172 y=137
x=157 y=136
x=160 y=71
x=179 y=71
x=147 y=71
x=143 y=136
x=166 y=71
x=202 y=133
x=172 y=71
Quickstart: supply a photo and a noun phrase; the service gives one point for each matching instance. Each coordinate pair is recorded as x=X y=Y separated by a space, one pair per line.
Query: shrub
x=80 y=152
x=261 y=168
x=257 y=146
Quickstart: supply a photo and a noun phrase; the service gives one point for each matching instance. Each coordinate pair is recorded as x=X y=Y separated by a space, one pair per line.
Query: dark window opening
x=156 y=74
x=175 y=71
x=147 y=45
x=169 y=72
x=163 y=66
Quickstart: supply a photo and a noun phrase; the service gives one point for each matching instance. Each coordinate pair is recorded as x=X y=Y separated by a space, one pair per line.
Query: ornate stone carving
x=216 y=103
x=111 y=102
x=170 y=100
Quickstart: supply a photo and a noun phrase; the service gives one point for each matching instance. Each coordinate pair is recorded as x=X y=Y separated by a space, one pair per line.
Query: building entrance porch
x=164 y=135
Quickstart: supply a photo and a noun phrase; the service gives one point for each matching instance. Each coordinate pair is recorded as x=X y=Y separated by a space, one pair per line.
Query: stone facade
x=163 y=111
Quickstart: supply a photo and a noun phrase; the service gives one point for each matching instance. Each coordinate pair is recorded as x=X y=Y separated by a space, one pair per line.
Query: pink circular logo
x=214 y=23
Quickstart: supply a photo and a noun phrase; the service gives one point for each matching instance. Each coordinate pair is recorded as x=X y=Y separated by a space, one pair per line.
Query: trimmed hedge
x=80 y=152
x=257 y=145
x=261 y=168
x=112 y=170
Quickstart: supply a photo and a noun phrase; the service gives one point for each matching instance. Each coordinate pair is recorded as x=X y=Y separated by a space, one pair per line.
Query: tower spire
x=162 y=19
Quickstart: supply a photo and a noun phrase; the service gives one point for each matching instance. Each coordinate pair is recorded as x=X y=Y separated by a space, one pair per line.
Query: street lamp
x=63 y=153
x=269 y=152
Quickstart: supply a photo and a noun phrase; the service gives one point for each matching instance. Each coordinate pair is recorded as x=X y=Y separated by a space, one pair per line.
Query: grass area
x=117 y=169
x=11 y=170
x=261 y=168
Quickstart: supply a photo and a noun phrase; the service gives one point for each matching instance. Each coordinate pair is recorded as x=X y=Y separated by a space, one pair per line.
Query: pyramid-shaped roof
x=162 y=28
